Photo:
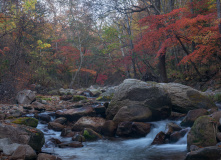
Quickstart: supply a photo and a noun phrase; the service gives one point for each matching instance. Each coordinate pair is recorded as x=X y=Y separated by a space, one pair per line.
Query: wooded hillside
x=76 y=43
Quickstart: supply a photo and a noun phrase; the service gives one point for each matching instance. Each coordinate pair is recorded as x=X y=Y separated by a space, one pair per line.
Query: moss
x=77 y=98
x=44 y=98
x=10 y=117
x=28 y=121
x=53 y=92
x=87 y=135
x=105 y=98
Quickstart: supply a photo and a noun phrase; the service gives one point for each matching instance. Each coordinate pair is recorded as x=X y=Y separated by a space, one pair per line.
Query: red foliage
x=101 y=78
x=6 y=49
x=201 y=28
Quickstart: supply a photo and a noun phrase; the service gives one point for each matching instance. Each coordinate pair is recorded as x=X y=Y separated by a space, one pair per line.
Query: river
x=118 y=149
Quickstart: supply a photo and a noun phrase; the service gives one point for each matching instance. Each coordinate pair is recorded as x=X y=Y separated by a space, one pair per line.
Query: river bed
x=118 y=149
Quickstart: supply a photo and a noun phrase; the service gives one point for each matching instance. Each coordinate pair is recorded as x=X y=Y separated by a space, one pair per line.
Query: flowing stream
x=118 y=149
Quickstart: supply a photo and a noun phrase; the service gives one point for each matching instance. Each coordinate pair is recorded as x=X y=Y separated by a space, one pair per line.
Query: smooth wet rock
x=140 y=129
x=133 y=129
x=55 y=141
x=71 y=144
x=79 y=138
x=124 y=129
x=61 y=120
x=38 y=106
x=159 y=138
x=133 y=113
x=75 y=113
x=25 y=97
x=90 y=135
x=109 y=128
x=66 y=132
x=55 y=126
x=192 y=115
x=202 y=133
x=95 y=123
x=207 y=153
x=177 y=135
x=132 y=93
x=176 y=116
x=23 y=135
x=44 y=156
x=24 y=152
x=171 y=127
x=44 y=117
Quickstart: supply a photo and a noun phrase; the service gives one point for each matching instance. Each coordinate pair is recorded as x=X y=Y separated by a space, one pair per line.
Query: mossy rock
x=77 y=98
x=91 y=135
x=202 y=133
x=28 y=121
x=53 y=92
x=104 y=98
x=44 y=98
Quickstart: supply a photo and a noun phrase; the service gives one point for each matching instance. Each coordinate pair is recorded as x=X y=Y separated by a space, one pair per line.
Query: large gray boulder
x=25 y=97
x=159 y=98
x=133 y=93
x=202 y=133
x=10 y=148
x=4 y=142
x=24 y=152
x=23 y=135
x=185 y=98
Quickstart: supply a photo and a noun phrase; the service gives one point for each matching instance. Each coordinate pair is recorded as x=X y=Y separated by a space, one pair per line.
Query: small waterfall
x=122 y=149
x=183 y=140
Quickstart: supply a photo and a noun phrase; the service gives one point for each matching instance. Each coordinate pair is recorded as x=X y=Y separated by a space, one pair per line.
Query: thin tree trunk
x=187 y=53
x=76 y=73
x=162 y=57
x=218 y=14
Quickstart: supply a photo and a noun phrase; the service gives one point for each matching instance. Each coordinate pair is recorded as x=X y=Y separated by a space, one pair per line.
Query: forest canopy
x=76 y=43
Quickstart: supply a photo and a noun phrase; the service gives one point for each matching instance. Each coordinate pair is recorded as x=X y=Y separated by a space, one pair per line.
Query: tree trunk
x=162 y=68
x=171 y=5
x=131 y=47
x=76 y=73
x=218 y=14
x=162 y=57
x=187 y=53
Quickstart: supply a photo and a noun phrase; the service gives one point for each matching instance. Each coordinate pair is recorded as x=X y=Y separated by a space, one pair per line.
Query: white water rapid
x=118 y=149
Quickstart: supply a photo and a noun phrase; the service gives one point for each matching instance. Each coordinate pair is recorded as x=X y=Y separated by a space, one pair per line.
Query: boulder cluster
x=123 y=111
